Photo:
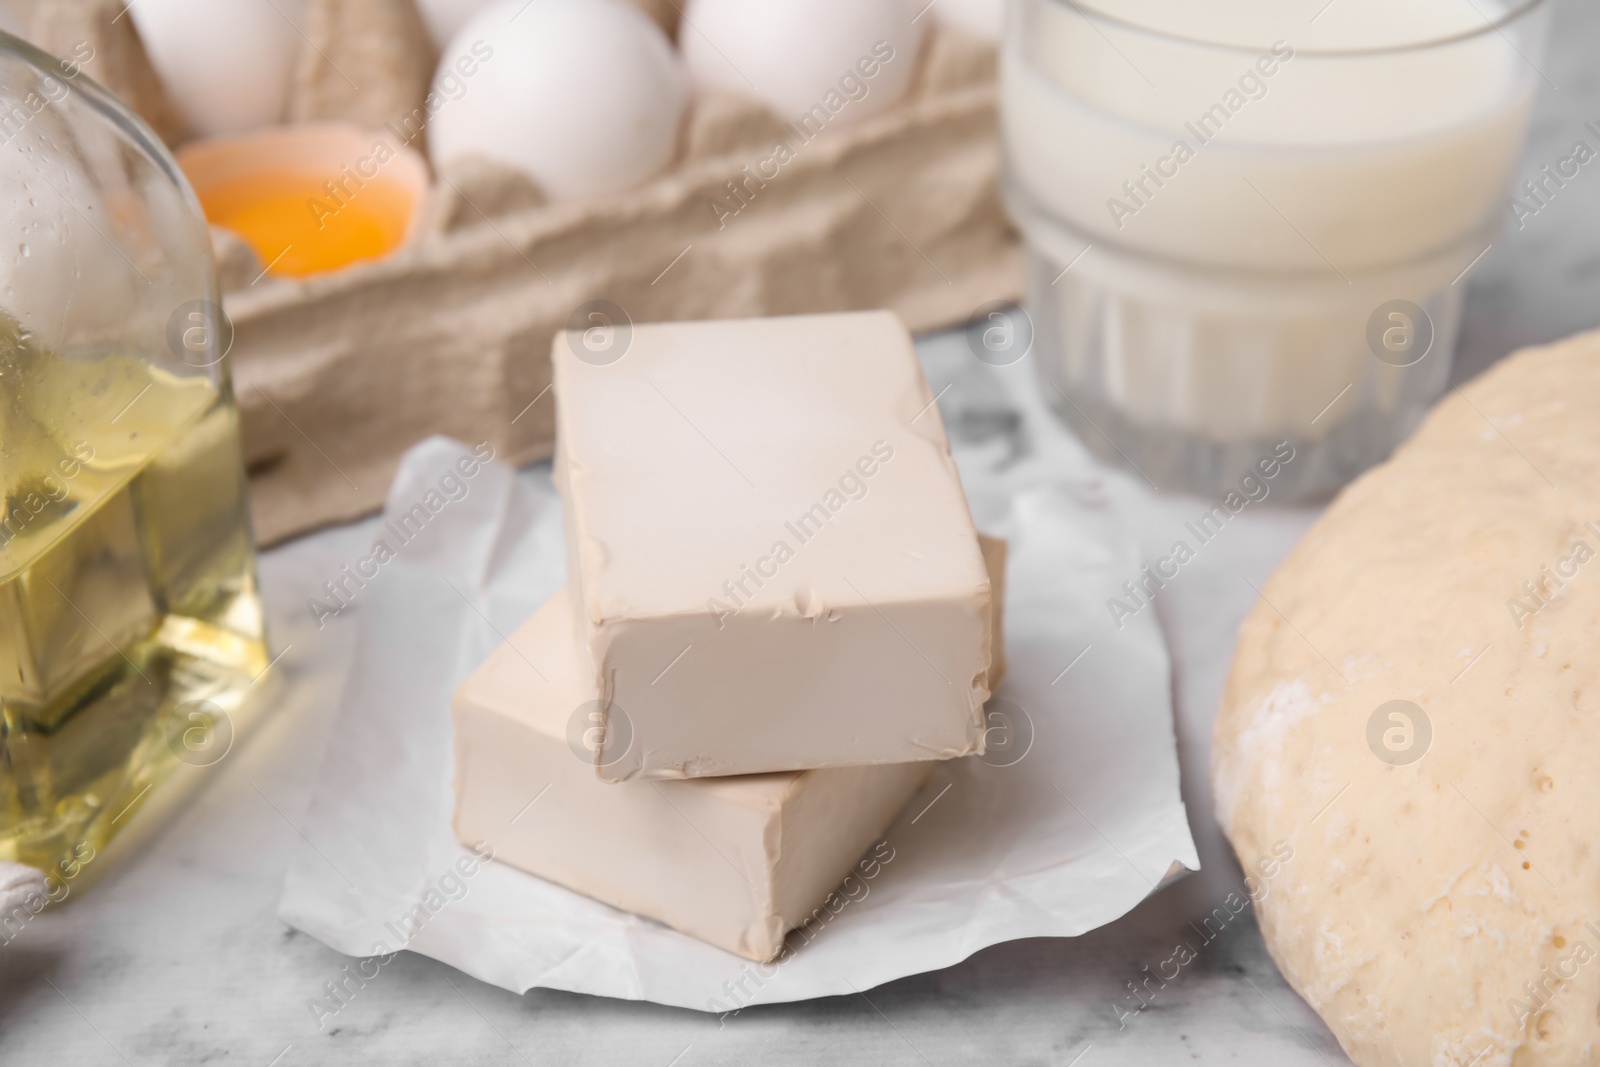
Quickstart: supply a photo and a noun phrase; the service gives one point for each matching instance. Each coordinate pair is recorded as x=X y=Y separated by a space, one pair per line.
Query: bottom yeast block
x=736 y=862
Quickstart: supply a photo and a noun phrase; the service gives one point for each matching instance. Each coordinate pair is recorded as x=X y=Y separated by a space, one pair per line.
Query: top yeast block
x=769 y=548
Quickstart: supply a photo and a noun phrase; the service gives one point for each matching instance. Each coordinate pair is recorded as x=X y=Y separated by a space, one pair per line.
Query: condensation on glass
x=1249 y=228
x=131 y=636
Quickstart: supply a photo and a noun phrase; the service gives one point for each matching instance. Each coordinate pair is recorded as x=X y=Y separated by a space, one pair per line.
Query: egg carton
x=338 y=374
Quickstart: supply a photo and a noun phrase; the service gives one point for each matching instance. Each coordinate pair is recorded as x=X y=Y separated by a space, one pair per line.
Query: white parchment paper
x=1073 y=820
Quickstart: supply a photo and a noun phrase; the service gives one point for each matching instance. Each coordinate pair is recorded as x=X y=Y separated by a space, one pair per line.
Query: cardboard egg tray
x=338 y=374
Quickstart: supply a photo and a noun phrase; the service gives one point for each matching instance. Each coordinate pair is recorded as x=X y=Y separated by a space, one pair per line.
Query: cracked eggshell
x=583 y=96
x=795 y=55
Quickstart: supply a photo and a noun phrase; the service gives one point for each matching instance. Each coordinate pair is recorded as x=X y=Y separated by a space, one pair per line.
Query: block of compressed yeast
x=737 y=862
x=995 y=551
x=769 y=549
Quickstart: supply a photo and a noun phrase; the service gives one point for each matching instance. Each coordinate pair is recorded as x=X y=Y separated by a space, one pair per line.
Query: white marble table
x=176 y=956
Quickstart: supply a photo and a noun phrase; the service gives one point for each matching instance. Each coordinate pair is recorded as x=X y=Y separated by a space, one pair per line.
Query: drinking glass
x=1250 y=225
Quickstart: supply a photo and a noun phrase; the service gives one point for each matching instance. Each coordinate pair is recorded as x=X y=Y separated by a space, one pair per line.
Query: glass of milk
x=1250 y=222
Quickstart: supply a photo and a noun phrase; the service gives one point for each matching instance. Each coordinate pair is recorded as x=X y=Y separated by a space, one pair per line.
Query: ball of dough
x=851 y=58
x=1415 y=708
x=583 y=96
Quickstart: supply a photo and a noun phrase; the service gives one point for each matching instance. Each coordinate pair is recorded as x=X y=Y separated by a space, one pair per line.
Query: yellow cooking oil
x=131 y=635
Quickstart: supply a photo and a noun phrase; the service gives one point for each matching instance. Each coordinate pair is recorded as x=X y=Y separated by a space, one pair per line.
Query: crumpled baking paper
x=1072 y=818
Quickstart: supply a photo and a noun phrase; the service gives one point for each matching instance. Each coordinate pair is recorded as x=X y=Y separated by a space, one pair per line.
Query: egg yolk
x=298 y=226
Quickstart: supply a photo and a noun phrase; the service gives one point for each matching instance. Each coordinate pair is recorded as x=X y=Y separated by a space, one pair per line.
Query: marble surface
x=176 y=956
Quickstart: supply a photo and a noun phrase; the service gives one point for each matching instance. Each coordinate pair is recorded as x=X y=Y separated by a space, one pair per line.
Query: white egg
x=850 y=58
x=584 y=96
x=445 y=18
x=986 y=18
x=226 y=64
